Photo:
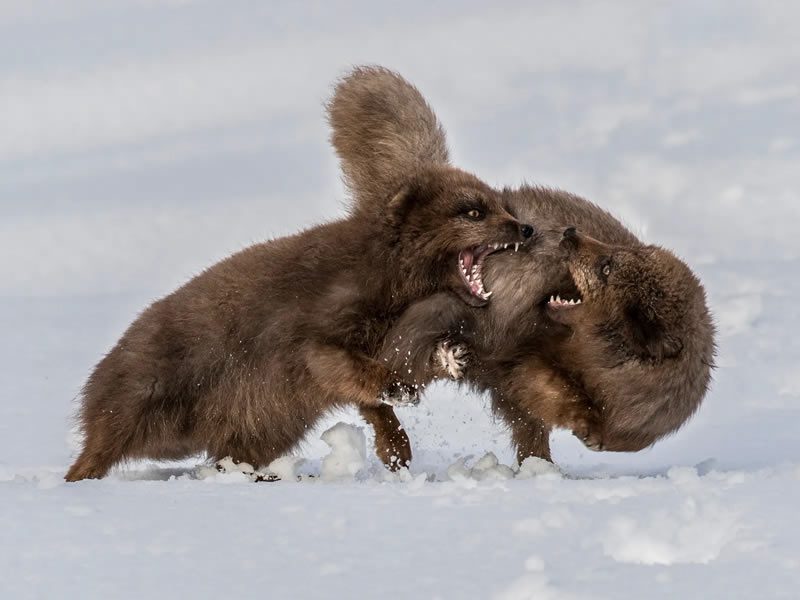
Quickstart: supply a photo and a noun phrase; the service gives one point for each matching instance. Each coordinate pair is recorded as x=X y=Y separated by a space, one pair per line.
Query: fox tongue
x=467 y=257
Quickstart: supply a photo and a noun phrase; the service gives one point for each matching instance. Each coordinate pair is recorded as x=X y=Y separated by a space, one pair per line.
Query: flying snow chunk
x=348 y=452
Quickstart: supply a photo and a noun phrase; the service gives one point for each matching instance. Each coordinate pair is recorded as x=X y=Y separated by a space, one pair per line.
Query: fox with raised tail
x=602 y=335
x=245 y=358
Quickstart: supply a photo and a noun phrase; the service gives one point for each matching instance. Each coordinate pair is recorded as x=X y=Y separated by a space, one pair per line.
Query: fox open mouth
x=470 y=266
x=558 y=303
x=566 y=297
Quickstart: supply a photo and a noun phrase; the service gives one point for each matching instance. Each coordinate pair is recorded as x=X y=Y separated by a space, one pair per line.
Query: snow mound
x=546 y=522
x=285 y=468
x=348 y=452
x=536 y=467
x=533 y=585
x=487 y=468
x=691 y=532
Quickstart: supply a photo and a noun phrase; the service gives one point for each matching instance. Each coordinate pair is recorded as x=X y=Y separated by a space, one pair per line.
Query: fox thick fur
x=244 y=359
x=623 y=375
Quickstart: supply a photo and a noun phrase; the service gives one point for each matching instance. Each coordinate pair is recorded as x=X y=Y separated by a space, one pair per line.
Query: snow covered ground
x=142 y=140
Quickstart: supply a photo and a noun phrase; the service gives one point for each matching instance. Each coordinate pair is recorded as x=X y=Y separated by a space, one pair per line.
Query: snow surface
x=142 y=140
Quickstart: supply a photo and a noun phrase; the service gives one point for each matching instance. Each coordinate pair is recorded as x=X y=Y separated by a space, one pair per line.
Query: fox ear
x=649 y=336
x=401 y=204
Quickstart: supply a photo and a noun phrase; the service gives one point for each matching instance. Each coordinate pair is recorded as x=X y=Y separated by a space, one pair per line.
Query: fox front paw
x=452 y=359
x=394 y=452
x=590 y=433
x=400 y=394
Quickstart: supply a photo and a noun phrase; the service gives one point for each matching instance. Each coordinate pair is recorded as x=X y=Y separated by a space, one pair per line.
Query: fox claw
x=452 y=359
x=400 y=394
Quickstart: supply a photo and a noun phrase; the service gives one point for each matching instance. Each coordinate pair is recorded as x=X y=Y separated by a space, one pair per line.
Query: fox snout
x=570 y=240
x=524 y=230
x=517 y=230
x=505 y=228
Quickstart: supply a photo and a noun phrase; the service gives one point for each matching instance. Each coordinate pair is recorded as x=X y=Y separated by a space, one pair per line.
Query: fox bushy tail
x=384 y=132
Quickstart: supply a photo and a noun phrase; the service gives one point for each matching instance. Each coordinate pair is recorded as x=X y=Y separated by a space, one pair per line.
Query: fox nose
x=526 y=231
x=570 y=238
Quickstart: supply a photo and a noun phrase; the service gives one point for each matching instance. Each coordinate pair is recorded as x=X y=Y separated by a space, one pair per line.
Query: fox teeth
x=516 y=247
x=557 y=300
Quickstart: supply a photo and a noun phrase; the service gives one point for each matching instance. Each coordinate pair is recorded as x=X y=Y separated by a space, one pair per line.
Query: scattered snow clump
x=285 y=467
x=487 y=468
x=348 y=452
x=536 y=467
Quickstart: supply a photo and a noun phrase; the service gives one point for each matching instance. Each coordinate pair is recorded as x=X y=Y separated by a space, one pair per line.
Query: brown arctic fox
x=621 y=355
x=243 y=359
x=635 y=363
x=652 y=357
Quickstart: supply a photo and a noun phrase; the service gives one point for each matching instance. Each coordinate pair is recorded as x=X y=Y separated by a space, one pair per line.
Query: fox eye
x=475 y=214
x=603 y=267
